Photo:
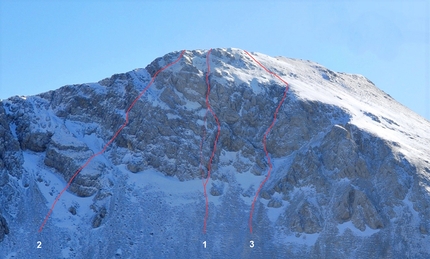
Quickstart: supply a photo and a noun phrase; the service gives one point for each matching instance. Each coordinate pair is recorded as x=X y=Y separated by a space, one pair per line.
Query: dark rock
x=274 y=203
x=72 y=210
x=98 y=218
x=4 y=229
x=35 y=141
x=307 y=219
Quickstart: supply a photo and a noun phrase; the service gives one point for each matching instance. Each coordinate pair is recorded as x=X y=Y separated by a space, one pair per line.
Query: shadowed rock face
x=354 y=205
x=306 y=219
x=329 y=171
x=4 y=229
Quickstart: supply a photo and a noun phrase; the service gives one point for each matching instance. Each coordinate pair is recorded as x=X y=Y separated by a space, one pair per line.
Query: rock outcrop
x=4 y=229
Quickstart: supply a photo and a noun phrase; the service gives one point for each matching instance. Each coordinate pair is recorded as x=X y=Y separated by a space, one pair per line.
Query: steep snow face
x=350 y=178
x=369 y=107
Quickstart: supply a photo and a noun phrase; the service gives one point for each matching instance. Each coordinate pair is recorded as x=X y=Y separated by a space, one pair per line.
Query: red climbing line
x=215 y=142
x=201 y=146
x=265 y=138
x=107 y=144
x=204 y=180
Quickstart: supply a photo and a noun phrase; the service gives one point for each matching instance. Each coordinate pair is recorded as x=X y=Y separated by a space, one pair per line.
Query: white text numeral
x=204 y=244
x=251 y=244
x=39 y=244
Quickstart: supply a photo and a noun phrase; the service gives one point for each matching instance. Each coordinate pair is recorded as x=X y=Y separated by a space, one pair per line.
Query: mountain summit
x=350 y=166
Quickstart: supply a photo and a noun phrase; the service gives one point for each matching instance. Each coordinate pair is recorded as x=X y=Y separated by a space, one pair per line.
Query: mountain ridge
x=348 y=160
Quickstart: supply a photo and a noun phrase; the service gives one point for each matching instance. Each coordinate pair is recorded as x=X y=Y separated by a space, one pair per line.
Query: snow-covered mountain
x=350 y=177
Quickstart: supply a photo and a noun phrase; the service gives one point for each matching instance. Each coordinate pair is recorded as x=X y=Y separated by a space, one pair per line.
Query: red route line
x=107 y=144
x=202 y=171
x=265 y=138
x=215 y=142
x=201 y=146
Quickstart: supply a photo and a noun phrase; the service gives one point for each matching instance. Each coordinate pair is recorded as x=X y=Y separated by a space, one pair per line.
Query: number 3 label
x=251 y=244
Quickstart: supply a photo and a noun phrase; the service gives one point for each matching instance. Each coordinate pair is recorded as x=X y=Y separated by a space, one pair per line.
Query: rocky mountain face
x=350 y=179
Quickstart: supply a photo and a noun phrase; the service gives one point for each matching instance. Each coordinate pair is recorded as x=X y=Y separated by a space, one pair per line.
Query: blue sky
x=47 y=44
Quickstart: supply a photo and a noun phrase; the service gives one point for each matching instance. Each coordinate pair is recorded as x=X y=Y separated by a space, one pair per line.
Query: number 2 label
x=39 y=244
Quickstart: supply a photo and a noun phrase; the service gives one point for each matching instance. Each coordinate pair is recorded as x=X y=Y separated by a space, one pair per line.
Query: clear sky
x=47 y=44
